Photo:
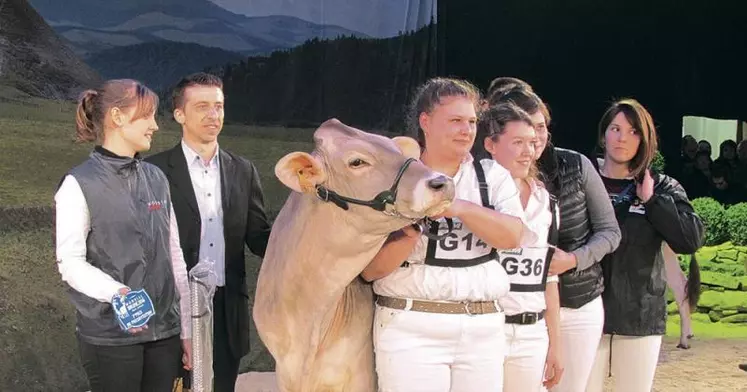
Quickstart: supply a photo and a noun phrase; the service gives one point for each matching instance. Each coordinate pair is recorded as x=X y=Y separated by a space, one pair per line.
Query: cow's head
x=359 y=165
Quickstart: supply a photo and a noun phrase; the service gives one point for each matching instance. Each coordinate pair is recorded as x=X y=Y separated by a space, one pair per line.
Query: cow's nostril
x=437 y=183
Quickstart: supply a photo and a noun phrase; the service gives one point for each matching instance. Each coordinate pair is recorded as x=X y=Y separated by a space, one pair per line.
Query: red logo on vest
x=155 y=205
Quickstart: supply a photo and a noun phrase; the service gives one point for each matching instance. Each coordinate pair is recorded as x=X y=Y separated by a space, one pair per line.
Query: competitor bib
x=459 y=248
x=526 y=267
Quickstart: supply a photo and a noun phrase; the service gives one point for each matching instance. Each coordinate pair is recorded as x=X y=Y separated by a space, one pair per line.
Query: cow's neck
x=327 y=248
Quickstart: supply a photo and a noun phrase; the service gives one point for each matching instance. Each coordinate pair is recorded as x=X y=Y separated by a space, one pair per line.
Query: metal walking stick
x=202 y=283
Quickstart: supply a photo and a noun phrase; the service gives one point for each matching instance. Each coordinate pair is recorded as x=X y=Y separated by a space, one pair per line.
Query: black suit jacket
x=244 y=222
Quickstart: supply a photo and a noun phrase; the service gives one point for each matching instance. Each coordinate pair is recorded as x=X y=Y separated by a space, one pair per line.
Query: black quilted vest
x=561 y=172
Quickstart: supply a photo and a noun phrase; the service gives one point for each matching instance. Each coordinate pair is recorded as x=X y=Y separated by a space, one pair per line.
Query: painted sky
x=377 y=18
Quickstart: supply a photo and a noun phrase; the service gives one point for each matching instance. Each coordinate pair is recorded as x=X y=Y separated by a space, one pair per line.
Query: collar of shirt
x=193 y=157
x=465 y=165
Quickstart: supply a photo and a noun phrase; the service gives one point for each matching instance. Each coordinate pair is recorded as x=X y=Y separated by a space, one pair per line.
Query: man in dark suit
x=219 y=206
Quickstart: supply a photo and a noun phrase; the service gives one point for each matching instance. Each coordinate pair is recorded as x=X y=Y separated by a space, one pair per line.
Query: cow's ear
x=300 y=171
x=409 y=147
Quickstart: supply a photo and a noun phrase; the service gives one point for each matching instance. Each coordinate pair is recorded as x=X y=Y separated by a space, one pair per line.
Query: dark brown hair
x=519 y=92
x=430 y=93
x=94 y=106
x=492 y=124
x=195 y=79
x=641 y=120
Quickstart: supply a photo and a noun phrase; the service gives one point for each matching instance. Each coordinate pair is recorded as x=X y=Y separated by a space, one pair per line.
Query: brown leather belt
x=470 y=308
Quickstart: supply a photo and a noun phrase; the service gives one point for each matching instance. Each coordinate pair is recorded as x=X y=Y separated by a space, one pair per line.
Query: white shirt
x=72 y=228
x=206 y=184
x=483 y=282
x=540 y=218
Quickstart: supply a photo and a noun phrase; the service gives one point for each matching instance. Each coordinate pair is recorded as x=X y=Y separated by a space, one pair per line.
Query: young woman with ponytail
x=115 y=233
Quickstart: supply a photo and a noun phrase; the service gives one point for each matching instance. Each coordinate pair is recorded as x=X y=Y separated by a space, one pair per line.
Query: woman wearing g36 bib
x=508 y=136
x=438 y=324
x=587 y=232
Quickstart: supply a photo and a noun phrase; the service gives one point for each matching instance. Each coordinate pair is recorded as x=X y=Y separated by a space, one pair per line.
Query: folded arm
x=672 y=215
x=606 y=234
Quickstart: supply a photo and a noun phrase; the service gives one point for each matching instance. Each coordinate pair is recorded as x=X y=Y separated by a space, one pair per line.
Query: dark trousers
x=144 y=367
x=225 y=364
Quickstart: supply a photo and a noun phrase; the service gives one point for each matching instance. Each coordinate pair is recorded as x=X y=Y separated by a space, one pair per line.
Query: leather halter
x=380 y=201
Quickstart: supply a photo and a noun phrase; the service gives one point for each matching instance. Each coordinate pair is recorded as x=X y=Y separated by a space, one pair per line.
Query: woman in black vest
x=118 y=247
x=588 y=231
x=438 y=323
x=650 y=210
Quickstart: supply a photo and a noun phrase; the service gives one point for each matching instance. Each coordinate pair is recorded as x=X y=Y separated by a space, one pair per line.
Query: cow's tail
x=692 y=288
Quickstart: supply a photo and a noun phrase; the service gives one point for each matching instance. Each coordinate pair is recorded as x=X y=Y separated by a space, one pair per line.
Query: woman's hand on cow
x=411 y=230
x=454 y=210
x=561 y=261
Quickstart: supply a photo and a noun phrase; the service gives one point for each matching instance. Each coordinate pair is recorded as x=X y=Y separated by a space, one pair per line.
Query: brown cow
x=312 y=311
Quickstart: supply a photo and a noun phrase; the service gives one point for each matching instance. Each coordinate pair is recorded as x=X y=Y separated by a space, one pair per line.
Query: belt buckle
x=532 y=318
x=466 y=308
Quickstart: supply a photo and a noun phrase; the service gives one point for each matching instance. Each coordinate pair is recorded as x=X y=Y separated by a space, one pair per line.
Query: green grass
x=704 y=330
x=37 y=341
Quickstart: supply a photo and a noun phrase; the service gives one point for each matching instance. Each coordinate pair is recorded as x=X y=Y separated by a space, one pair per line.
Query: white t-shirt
x=540 y=218
x=482 y=282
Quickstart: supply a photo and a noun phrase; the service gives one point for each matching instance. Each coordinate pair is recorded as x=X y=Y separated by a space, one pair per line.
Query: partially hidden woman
x=439 y=325
x=116 y=233
x=588 y=231
x=507 y=134
x=651 y=210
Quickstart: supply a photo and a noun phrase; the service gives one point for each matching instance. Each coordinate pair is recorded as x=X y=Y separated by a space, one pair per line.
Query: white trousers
x=431 y=352
x=524 y=368
x=633 y=362
x=580 y=333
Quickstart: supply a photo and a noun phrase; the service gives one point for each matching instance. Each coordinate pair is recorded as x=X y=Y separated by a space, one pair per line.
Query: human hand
x=553 y=368
x=561 y=261
x=645 y=189
x=122 y=292
x=187 y=354
x=455 y=209
x=411 y=230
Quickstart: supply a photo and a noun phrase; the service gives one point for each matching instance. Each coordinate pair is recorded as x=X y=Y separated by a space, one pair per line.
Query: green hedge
x=713 y=215
x=736 y=223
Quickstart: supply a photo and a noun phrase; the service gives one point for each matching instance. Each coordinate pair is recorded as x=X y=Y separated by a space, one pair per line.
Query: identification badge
x=637 y=208
x=133 y=310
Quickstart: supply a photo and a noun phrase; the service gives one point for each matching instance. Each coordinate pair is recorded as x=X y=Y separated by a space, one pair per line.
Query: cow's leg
x=677 y=281
x=364 y=372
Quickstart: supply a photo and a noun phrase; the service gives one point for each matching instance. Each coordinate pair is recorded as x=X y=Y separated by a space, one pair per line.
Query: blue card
x=133 y=310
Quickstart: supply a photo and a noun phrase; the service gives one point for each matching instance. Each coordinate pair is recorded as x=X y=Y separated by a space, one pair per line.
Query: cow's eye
x=357 y=162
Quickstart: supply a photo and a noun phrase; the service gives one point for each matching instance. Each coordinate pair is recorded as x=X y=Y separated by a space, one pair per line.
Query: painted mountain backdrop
x=277 y=70
x=34 y=60
x=156 y=41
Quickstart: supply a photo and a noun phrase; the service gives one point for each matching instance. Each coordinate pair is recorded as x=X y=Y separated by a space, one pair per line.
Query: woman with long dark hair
x=651 y=210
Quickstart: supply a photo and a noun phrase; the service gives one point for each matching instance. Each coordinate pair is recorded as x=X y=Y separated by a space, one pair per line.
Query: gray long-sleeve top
x=604 y=227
